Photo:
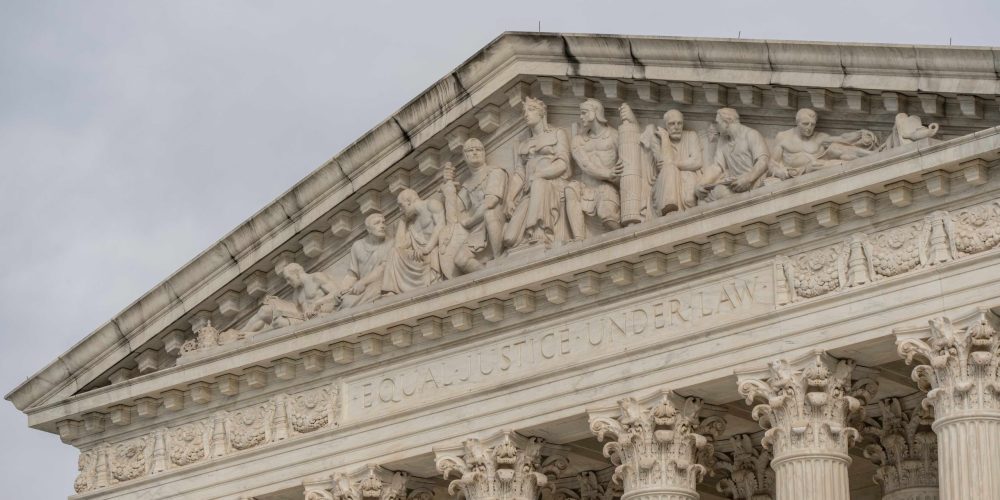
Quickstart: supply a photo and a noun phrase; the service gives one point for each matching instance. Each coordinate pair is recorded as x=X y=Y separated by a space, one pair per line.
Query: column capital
x=505 y=466
x=903 y=447
x=589 y=485
x=809 y=405
x=661 y=446
x=958 y=366
x=371 y=482
x=746 y=470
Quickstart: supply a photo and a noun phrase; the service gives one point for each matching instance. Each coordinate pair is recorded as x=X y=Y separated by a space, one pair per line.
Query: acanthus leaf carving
x=188 y=443
x=746 y=471
x=251 y=426
x=659 y=443
x=813 y=404
x=589 y=485
x=313 y=409
x=129 y=459
x=959 y=367
x=902 y=446
x=505 y=467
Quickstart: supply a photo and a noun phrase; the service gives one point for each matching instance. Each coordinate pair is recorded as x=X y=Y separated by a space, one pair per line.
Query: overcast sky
x=135 y=134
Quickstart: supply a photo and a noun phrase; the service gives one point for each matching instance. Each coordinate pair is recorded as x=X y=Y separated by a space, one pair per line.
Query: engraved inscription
x=667 y=315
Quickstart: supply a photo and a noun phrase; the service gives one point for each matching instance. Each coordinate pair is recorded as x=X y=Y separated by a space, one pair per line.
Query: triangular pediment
x=875 y=104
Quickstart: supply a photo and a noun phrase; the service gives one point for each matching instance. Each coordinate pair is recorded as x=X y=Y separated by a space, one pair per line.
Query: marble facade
x=588 y=267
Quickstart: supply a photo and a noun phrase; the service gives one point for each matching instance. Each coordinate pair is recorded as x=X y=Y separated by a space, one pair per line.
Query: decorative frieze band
x=281 y=417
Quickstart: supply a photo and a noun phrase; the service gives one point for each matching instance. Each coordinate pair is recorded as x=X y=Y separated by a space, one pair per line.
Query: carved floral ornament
x=563 y=185
x=958 y=366
x=506 y=466
x=221 y=434
x=660 y=443
x=865 y=258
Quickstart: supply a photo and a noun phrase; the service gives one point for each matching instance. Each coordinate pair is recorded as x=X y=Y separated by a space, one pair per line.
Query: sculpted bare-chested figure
x=595 y=150
x=802 y=149
x=363 y=283
x=313 y=294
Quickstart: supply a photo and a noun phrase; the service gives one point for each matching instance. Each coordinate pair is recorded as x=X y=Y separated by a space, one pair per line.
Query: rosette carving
x=657 y=444
x=977 y=228
x=817 y=272
x=128 y=459
x=250 y=427
x=312 y=410
x=187 y=443
x=897 y=250
x=505 y=467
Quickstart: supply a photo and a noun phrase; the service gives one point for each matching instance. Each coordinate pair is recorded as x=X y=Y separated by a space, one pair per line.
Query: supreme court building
x=584 y=267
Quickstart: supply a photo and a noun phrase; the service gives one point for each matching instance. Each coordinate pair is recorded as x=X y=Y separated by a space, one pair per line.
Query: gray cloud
x=134 y=134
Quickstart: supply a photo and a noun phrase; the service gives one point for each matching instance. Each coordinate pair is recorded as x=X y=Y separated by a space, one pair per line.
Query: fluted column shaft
x=969 y=457
x=814 y=476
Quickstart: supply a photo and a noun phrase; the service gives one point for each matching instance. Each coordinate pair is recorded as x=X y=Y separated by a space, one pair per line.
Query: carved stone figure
x=474 y=211
x=544 y=162
x=414 y=261
x=802 y=149
x=636 y=166
x=907 y=129
x=595 y=151
x=679 y=159
x=741 y=159
x=312 y=294
x=363 y=283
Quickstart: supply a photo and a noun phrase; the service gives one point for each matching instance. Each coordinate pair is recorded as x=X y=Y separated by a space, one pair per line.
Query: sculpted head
x=534 y=111
x=293 y=274
x=408 y=199
x=474 y=152
x=805 y=122
x=375 y=225
x=674 y=120
x=592 y=111
x=725 y=118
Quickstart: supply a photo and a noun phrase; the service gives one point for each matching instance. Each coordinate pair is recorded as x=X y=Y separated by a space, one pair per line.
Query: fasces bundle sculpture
x=563 y=186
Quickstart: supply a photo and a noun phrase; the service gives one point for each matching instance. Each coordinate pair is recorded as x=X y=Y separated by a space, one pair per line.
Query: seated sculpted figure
x=595 y=193
x=363 y=283
x=539 y=215
x=474 y=211
x=678 y=156
x=802 y=149
x=414 y=261
x=312 y=294
x=741 y=159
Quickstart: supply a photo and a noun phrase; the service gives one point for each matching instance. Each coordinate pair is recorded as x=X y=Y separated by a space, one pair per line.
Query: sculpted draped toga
x=540 y=214
x=407 y=267
x=367 y=258
x=686 y=154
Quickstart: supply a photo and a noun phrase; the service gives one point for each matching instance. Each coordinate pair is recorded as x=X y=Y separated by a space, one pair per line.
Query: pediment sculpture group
x=562 y=186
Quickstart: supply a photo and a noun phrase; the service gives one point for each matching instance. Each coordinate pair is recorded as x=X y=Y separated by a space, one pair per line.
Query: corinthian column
x=746 y=471
x=506 y=466
x=660 y=446
x=371 y=482
x=809 y=409
x=904 y=449
x=960 y=369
